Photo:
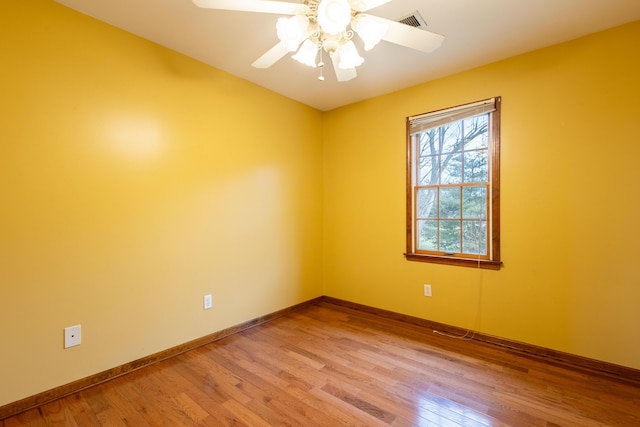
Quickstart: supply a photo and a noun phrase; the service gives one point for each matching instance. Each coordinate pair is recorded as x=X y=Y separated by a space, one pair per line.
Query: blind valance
x=426 y=121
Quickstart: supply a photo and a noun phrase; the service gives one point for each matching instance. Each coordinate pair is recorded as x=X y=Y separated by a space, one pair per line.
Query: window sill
x=461 y=262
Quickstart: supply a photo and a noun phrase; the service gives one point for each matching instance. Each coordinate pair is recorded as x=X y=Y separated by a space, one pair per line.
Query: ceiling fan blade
x=263 y=6
x=364 y=5
x=342 y=74
x=408 y=36
x=271 y=56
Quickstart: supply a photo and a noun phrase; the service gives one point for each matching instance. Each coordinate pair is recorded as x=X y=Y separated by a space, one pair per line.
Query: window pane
x=450 y=236
x=426 y=198
x=451 y=168
x=476 y=132
x=474 y=237
x=427 y=235
x=450 y=202
x=428 y=171
x=476 y=166
x=427 y=142
x=451 y=137
x=474 y=202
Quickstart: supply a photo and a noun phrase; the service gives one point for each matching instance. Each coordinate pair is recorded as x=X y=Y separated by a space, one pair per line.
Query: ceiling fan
x=315 y=26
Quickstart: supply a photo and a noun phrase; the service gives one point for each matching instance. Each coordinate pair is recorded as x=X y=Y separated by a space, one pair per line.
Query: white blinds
x=434 y=119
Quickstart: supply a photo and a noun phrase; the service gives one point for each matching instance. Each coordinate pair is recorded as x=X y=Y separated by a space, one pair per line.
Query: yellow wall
x=132 y=184
x=569 y=201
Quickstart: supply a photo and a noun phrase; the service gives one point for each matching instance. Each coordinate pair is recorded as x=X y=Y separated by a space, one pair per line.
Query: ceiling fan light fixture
x=330 y=25
x=369 y=30
x=349 y=56
x=292 y=31
x=307 y=53
x=330 y=45
x=334 y=15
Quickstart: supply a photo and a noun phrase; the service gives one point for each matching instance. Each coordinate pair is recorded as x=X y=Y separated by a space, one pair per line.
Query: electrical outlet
x=208 y=302
x=427 y=290
x=72 y=336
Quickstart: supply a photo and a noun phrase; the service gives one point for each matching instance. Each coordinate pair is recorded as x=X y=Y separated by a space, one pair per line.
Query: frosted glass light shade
x=307 y=53
x=370 y=31
x=349 y=56
x=291 y=31
x=334 y=15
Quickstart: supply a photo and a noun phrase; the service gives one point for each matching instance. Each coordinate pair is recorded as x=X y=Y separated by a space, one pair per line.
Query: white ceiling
x=477 y=32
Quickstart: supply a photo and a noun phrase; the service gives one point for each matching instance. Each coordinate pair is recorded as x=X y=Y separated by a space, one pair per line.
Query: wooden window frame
x=492 y=261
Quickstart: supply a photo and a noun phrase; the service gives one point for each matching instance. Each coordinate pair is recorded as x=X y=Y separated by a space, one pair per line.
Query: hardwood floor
x=328 y=365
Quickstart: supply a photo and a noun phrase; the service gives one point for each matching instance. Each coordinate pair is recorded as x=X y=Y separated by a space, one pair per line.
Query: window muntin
x=453 y=185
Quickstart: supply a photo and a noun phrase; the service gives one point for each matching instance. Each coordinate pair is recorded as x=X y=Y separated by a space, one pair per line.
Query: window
x=453 y=186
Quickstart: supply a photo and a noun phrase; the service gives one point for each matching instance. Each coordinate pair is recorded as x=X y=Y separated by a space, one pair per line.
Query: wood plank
x=102 y=377
x=331 y=365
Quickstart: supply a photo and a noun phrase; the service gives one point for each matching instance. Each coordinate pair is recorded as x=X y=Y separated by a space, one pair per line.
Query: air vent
x=414 y=20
